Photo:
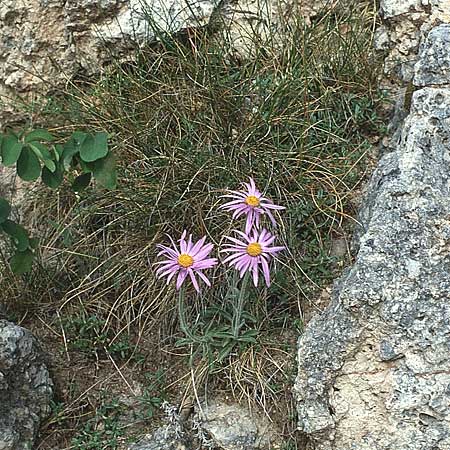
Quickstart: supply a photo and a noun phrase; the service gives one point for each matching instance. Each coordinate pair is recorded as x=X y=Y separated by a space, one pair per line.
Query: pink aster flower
x=186 y=259
x=250 y=202
x=251 y=253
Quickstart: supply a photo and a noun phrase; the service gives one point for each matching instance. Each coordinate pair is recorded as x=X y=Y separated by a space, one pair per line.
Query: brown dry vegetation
x=187 y=121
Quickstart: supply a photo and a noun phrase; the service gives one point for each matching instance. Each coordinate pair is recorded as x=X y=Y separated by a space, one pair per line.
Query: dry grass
x=189 y=120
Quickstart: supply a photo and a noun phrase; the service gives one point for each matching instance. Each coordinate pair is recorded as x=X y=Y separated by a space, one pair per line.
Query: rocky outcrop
x=404 y=24
x=25 y=388
x=235 y=427
x=216 y=424
x=45 y=44
x=374 y=367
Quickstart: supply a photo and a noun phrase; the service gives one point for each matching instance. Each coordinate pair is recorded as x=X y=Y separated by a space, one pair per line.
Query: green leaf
x=21 y=262
x=34 y=243
x=81 y=182
x=78 y=137
x=105 y=171
x=52 y=179
x=5 y=209
x=11 y=150
x=43 y=153
x=28 y=166
x=18 y=234
x=70 y=150
x=94 y=147
x=86 y=167
x=57 y=151
x=39 y=135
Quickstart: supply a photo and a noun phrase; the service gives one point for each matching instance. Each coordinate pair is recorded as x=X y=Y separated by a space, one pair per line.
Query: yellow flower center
x=251 y=200
x=185 y=260
x=254 y=249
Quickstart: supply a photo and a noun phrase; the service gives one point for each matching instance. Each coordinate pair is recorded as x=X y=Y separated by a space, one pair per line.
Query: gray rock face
x=234 y=427
x=433 y=66
x=374 y=368
x=167 y=437
x=405 y=23
x=25 y=388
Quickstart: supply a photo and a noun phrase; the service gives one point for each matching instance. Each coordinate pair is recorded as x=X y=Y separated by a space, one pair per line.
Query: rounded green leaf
x=22 y=262
x=41 y=151
x=69 y=151
x=105 y=171
x=34 y=243
x=5 y=209
x=18 y=234
x=94 y=147
x=11 y=150
x=39 y=135
x=28 y=166
x=81 y=182
x=51 y=179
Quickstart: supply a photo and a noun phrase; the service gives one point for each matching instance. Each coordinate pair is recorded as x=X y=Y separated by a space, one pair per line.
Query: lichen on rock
x=25 y=388
x=374 y=368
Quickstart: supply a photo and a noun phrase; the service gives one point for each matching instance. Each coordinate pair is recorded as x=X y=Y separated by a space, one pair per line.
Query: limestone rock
x=374 y=368
x=25 y=388
x=433 y=66
x=405 y=22
x=167 y=437
x=392 y=8
x=234 y=427
x=46 y=43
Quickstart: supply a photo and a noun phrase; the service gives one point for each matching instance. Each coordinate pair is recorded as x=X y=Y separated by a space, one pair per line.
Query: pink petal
x=197 y=247
x=234 y=202
x=204 y=278
x=181 y=277
x=236 y=194
x=171 y=275
x=274 y=249
x=255 y=272
x=169 y=270
x=204 y=252
x=266 y=271
x=165 y=266
x=245 y=236
x=239 y=211
x=252 y=183
x=266 y=203
x=272 y=219
x=189 y=245
x=175 y=247
x=236 y=241
x=205 y=264
x=249 y=222
x=194 y=280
